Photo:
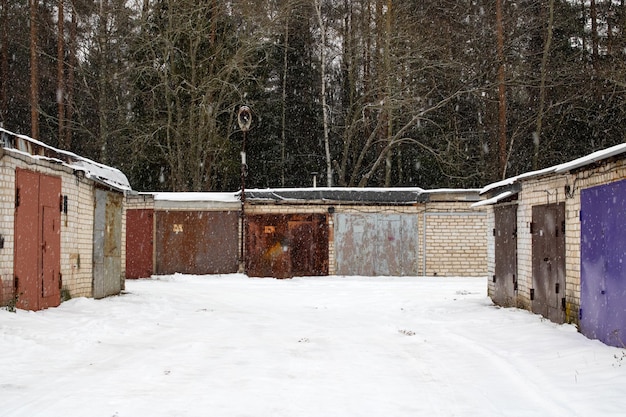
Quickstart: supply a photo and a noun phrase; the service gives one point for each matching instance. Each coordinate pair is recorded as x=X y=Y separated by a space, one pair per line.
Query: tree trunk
x=34 y=72
x=502 y=140
x=388 y=93
x=60 y=74
x=542 y=84
x=4 y=63
x=322 y=26
x=71 y=71
x=102 y=81
x=283 y=123
x=593 y=13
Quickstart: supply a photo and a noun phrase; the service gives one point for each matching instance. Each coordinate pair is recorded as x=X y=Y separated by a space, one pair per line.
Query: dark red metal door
x=286 y=245
x=37 y=256
x=505 y=240
x=548 y=254
x=139 y=243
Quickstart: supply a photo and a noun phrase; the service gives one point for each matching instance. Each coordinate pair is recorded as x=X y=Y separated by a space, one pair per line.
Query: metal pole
x=244 y=119
x=242 y=264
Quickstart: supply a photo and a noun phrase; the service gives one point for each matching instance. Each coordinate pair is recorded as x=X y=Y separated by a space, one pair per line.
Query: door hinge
x=557 y=287
x=17 y=197
x=532 y=228
x=563 y=303
x=532 y=294
x=493 y=279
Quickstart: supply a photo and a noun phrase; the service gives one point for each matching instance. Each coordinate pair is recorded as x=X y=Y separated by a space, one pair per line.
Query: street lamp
x=244 y=119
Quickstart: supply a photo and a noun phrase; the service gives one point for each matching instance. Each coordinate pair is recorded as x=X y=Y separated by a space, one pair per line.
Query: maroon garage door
x=139 y=243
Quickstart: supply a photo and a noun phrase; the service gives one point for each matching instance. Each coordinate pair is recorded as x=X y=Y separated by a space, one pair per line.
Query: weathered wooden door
x=603 y=269
x=37 y=254
x=139 y=243
x=505 y=241
x=548 y=254
x=107 y=256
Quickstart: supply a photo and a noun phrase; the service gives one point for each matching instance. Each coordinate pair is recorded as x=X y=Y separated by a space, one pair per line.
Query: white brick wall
x=551 y=190
x=76 y=226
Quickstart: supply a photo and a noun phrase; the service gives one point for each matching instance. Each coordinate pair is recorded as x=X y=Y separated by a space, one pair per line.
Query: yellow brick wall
x=453 y=240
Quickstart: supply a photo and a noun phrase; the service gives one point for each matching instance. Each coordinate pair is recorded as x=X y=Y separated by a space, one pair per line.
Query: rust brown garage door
x=286 y=245
x=196 y=242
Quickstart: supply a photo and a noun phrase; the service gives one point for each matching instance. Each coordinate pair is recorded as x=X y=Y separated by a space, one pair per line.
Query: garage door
x=603 y=257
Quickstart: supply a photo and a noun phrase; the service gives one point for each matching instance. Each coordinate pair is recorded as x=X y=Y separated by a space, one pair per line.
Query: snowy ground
x=232 y=346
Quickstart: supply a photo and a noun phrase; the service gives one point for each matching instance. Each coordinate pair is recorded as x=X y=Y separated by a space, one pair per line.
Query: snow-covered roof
x=493 y=200
x=403 y=195
x=561 y=168
x=198 y=196
x=37 y=150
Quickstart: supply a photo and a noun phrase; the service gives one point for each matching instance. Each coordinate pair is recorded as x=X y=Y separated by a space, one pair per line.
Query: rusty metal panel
x=372 y=244
x=50 y=199
x=505 y=240
x=139 y=243
x=286 y=245
x=107 y=254
x=197 y=242
x=27 y=237
x=37 y=261
x=548 y=261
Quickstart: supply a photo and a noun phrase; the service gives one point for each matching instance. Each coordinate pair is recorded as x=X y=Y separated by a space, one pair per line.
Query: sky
x=228 y=345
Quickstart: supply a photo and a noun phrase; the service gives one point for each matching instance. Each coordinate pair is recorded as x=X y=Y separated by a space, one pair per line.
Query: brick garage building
x=557 y=243
x=60 y=224
x=191 y=233
x=356 y=231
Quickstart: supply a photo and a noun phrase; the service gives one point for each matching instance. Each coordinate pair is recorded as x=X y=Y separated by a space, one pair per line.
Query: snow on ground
x=332 y=346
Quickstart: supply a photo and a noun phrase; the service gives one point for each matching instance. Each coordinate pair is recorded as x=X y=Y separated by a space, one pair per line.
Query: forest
x=356 y=93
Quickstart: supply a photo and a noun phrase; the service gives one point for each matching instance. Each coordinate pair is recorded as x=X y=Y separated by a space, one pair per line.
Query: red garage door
x=37 y=255
x=139 y=243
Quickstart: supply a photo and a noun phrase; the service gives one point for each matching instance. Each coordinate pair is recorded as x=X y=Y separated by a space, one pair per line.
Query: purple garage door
x=603 y=273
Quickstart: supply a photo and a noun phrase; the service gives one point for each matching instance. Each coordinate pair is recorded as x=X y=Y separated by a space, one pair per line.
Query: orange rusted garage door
x=286 y=245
